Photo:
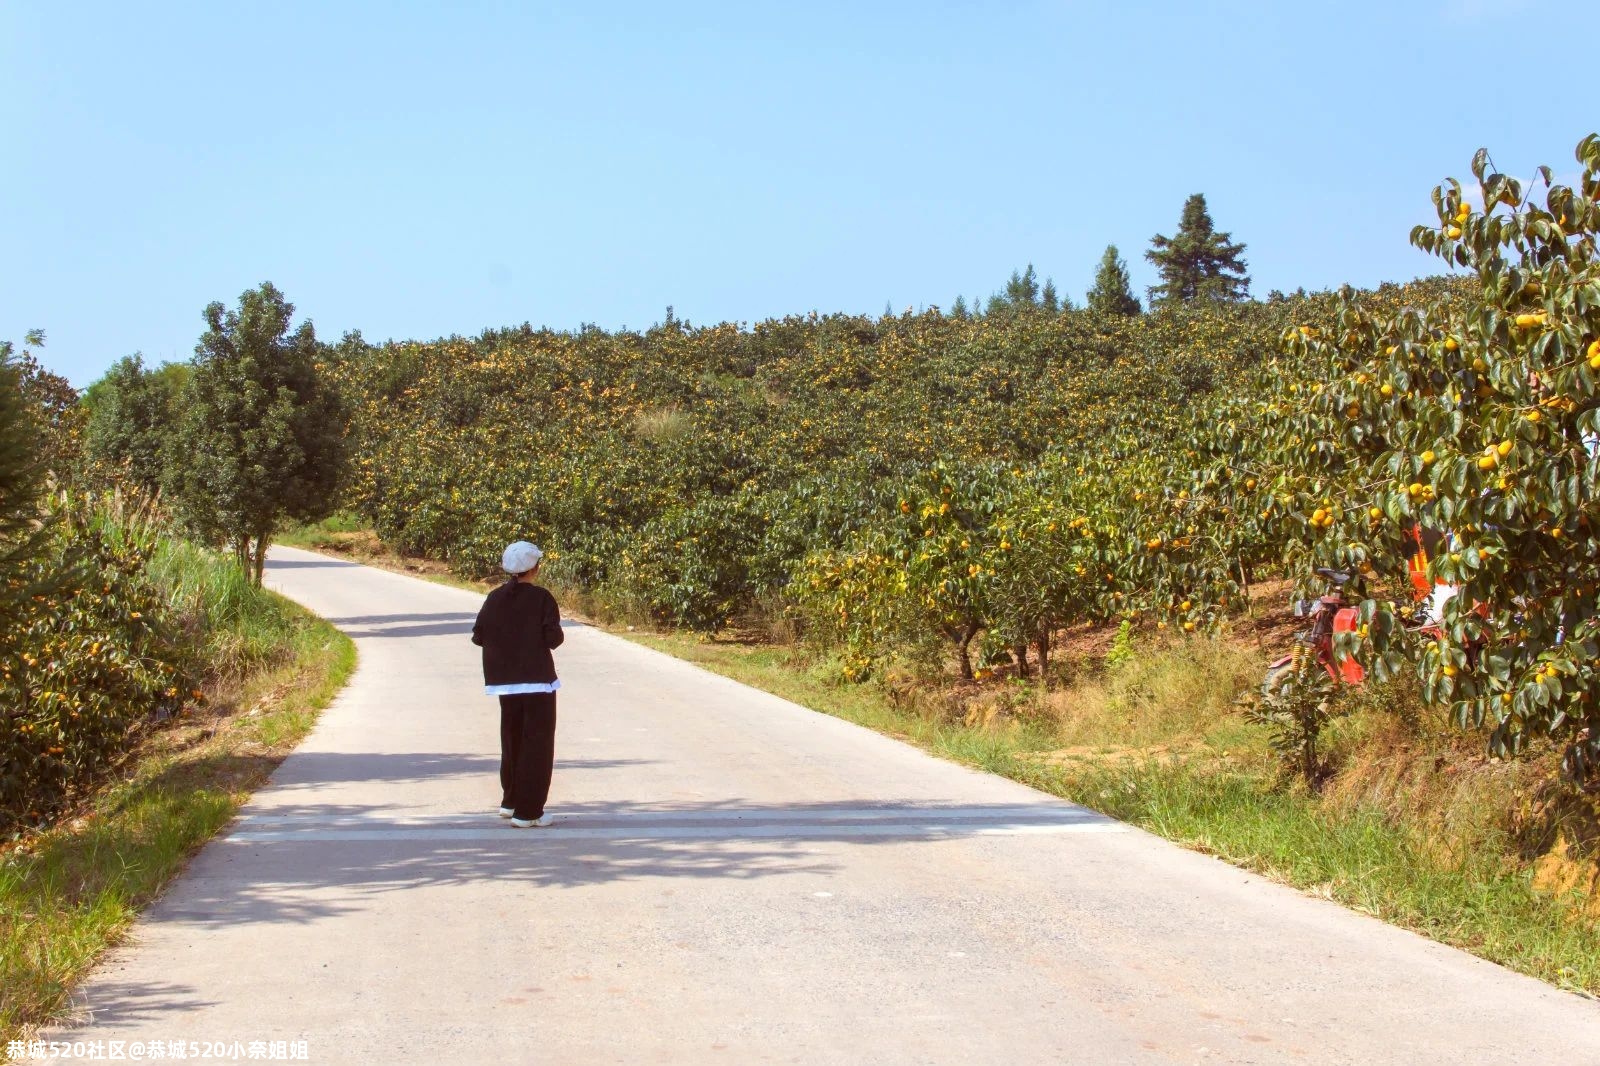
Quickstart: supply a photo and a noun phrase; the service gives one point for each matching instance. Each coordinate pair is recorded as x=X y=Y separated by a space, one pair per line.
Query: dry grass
x=662 y=425
x=1178 y=694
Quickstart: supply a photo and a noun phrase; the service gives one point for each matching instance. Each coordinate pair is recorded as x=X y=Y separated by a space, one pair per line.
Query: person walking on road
x=517 y=627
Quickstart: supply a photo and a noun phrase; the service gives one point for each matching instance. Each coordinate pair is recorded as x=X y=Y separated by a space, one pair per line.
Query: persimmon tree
x=1477 y=419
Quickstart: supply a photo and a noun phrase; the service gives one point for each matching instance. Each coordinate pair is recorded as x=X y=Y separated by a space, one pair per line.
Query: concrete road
x=734 y=878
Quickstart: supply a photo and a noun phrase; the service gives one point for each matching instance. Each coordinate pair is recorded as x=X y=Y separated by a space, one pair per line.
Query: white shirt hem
x=522 y=689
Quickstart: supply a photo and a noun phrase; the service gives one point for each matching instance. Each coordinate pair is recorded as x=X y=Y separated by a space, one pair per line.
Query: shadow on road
x=105 y=1001
x=314 y=769
x=442 y=624
x=598 y=764
x=390 y=619
x=319 y=768
x=306 y=862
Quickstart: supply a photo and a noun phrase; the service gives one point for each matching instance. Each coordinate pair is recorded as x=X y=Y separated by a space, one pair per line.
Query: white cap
x=520 y=557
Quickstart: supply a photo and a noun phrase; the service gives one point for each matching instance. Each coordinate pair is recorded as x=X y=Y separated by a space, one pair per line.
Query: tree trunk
x=961 y=650
x=1311 y=726
x=262 y=540
x=1019 y=652
x=1042 y=642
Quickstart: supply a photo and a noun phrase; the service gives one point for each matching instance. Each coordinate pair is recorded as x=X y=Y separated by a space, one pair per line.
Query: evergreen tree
x=960 y=308
x=1023 y=290
x=1020 y=294
x=261 y=438
x=1113 y=293
x=1048 y=298
x=1199 y=263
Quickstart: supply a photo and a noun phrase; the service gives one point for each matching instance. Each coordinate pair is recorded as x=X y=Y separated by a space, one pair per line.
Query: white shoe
x=506 y=812
x=525 y=823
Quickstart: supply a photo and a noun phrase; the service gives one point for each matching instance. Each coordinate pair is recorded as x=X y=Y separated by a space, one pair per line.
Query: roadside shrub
x=129 y=622
x=1297 y=704
x=88 y=661
x=690 y=566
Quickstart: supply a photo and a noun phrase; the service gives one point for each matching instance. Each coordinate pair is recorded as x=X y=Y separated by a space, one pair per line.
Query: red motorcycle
x=1329 y=614
x=1332 y=613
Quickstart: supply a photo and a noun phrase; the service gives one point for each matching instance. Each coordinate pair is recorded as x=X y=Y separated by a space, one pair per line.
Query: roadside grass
x=71 y=891
x=1158 y=742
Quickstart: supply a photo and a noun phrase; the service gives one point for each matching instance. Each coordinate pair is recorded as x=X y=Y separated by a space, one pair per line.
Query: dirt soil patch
x=1112 y=755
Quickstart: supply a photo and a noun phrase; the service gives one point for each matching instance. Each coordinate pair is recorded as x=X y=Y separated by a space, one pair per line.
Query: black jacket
x=516 y=627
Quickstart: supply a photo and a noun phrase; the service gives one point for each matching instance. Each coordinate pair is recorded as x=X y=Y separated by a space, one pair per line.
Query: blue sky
x=416 y=170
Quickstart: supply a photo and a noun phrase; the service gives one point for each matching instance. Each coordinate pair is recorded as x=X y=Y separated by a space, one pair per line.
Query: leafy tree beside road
x=130 y=418
x=1478 y=418
x=261 y=440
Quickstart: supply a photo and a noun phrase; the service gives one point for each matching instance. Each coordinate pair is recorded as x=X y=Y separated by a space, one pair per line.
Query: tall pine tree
x=1199 y=263
x=1048 y=298
x=1021 y=293
x=1113 y=293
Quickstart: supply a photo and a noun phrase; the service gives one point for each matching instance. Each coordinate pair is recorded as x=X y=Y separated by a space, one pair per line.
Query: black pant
x=527 y=752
